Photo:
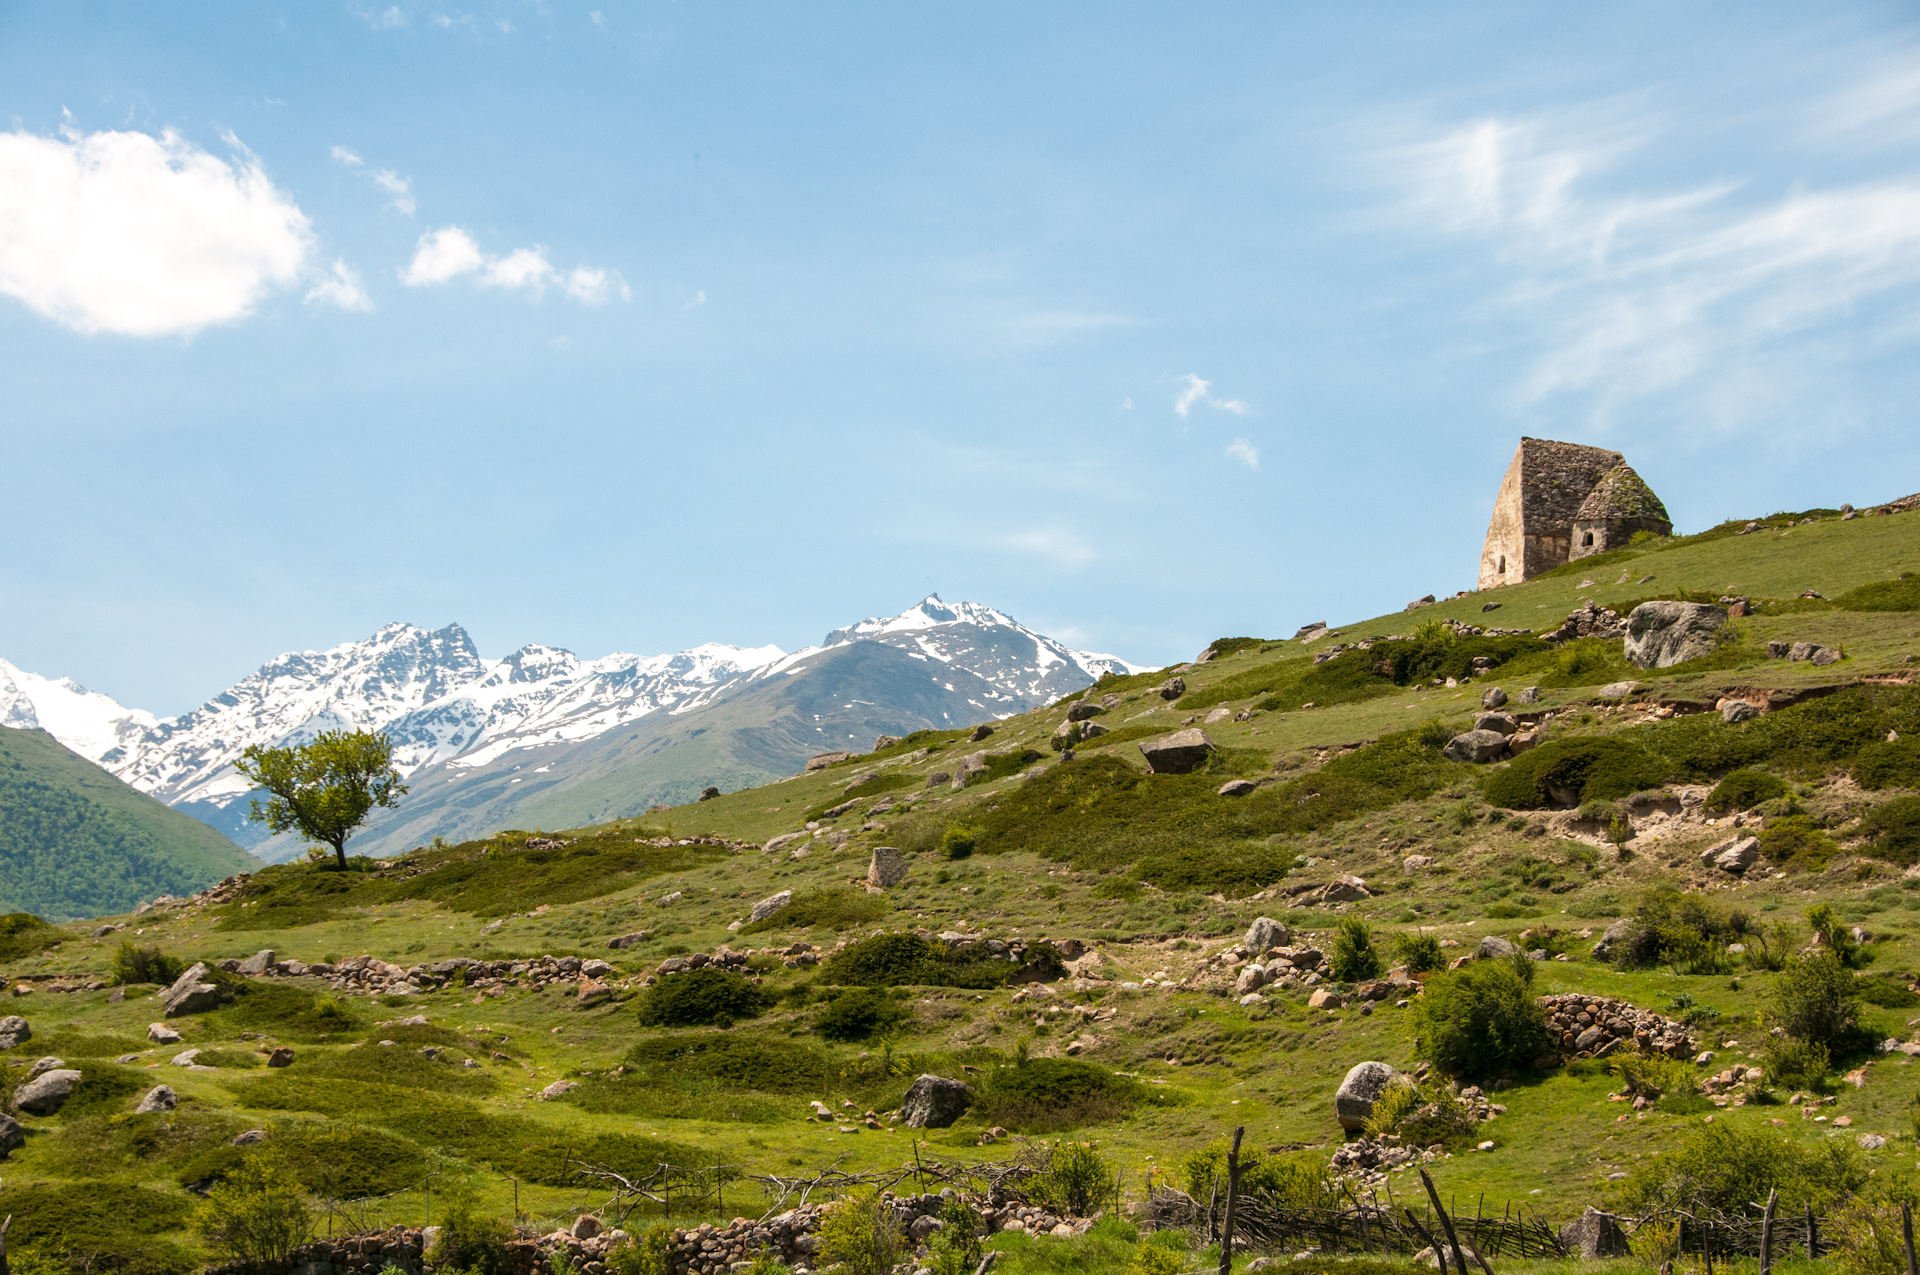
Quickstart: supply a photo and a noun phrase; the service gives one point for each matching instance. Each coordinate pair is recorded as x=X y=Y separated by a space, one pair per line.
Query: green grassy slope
x=75 y=841
x=1159 y=874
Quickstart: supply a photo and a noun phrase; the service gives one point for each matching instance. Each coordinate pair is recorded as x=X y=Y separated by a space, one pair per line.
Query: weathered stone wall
x=1532 y=526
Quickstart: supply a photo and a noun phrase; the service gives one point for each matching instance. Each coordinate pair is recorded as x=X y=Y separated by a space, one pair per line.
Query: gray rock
x=776 y=844
x=1091 y=730
x=1594 y=1235
x=1802 y=650
x=259 y=963
x=1309 y=632
x=159 y=1098
x=248 y=1138
x=1824 y=656
x=1661 y=634
x=771 y=904
x=161 y=1034
x=1738 y=710
x=1081 y=710
x=884 y=741
x=1520 y=741
x=934 y=1102
x=46 y=1094
x=1735 y=855
x=12 y=1136
x=1417 y=603
x=186 y=1058
x=1173 y=688
x=820 y=761
x=1778 y=650
x=1871 y=1141
x=1492 y=946
x=193 y=992
x=1528 y=695
x=628 y=940
x=1617 y=932
x=44 y=1065
x=1265 y=932
x=937 y=778
x=14 y=1031
x=1220 y=714
x=1238 y=788
x=980 y=732
x=1180 y=753
x=888 y=868
x=1353 y=1102
x=1492 y=697
x=1616 y=690
x=1479 y=746
x=585 y=1227
x=970 y=765
x=1502 y=722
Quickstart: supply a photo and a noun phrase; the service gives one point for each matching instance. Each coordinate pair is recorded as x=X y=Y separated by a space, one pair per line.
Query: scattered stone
x=558 y=1088
x=1594 y=1235
x=1082 y=710
x=1417 y=603
x=1493 y=697
x=1616 y=690
x=1177 y=754
x=1220 y=714
x=248 y=1138
x=887 y=869
x=186 y=1058
x=45 y=1094
x=585 y=1227
x=628 y=940
x=937 y=778
x=934 y=1102
x=1504 y=723
x=1364 y=1083
x=1492 y=946
x=12 y=1136
x=1265 y=933
x=14 y=1032
x=980 y=732
x=1173 y=688
x=1237 y=788
x=769 y=905
x=282 y=1056
x=1622 y=1025
x=257 y=964
x=820 y=761
x=1734 y=855
x=191 y=993
x=1325 y=998
x=1738 y=710
x=158 y=1098
x=1477 y=746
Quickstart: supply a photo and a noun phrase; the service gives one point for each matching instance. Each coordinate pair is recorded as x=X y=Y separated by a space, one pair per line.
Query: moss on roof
x=1621 y=494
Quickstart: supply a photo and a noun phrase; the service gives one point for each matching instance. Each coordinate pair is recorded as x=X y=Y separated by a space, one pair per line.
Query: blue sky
x=633 y=327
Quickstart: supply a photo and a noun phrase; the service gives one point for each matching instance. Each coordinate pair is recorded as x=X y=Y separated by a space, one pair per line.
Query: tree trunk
x=1233 y=1193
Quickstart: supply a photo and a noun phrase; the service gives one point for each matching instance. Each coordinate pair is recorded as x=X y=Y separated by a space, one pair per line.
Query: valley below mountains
x=544 y=738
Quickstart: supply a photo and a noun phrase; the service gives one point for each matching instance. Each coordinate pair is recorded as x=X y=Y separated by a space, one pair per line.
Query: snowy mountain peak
x=88 y=722
x=929 y=612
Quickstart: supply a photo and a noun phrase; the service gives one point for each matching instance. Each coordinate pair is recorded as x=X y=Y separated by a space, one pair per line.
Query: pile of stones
x=711 y=1250
x=1366 y=1161
x=1596 y=1026
x=402 y=1248
x=370 y=975
x=1588 y=620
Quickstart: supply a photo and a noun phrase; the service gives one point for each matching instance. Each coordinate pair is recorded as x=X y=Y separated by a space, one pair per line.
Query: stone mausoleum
x=1561 y=502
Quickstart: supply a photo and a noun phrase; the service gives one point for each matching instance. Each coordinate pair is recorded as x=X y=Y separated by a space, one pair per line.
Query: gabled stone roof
x=1621 y=494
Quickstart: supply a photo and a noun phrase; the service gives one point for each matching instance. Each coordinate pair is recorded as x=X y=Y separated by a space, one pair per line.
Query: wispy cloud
x=1244 y=452
x=129 y=233
x=1194 y=391
x=1636 y=292
x=450 y=252
x=385 y=178
x=340 y=287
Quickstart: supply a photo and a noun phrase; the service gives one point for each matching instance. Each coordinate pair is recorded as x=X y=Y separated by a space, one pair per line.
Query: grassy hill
x=1143 y=1045
x=76 y=842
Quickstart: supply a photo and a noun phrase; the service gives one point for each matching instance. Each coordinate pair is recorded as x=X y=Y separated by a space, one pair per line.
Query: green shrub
x=1722 y=1167
x=290 y=1011
x=1815 y=998
x=1394 y=1104
x=706 y=997
x=144 y=965
x=1743 y=790
x=1354 y=958
x=832 y=908
x=258 y=1215
x=858 y=1234
x=734 y=1061
x=1830 y=931
x=1681 y=930
x=1570 y=772
x=1883 y=595
x=895 y=960
x=858 y=1014
x=1794 y=843
x=472 y=1243
x=1075 y=1181
x=1234 y=871
x=1480 y=1021
x=22 y=934
x=955 y=1248
x=1041 y=1095
x=1292 y=1182
x=1796 y=1064
x=1420 y=953
x=650 y=1253
x=1887 y=765
x=111 y=1225
x=957 y=841
x=1893 y=830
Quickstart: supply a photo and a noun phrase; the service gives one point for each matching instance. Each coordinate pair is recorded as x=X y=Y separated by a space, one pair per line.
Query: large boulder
x=1594 y=1235
x=820 y=761
x=771 y=904
x=1738 y=710
x=1492 y=946
x=1265 y=932
x=888 y=868
x=934 y=1102
x=1661 y=634
x=159 y=1098
x=12 y=1136
x=194 y=992
x=1180 y=753
x=1503 y=723
x=257 y=964
x=1173 y=688
x=1353 y=1103
x=1081 y=710
x=14 y=1031
x=46 y=1093
x=1619 y=931
x=1478 y=746
x=1734 y=855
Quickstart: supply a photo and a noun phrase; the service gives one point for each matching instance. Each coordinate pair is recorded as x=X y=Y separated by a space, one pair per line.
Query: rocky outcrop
x=934 y=1102
x=1595 y=1026
x=1734 y=855
x=158 y=1098
x=1594 y=1235
x=887 y=869
x=193 y=992
x=1477 y=746
x=1662 y=634
x=14 y=1032
x=769 y=905
x=1264 y=933
x=12 y=1136
x=1180 y=753
x=1588 y=620
x=1365 y=1082
x=46 y=1093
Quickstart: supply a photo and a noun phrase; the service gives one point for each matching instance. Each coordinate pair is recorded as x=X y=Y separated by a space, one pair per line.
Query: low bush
x=1354 y=959
x=1235 y=871
x=111 y=1226
x=1292 y=1182
x=399 y=1064
x=858 y=1234
x=1041 y=1095
x=1570 y=772
x=1886 y=764
x=957 y=841
x=1679 y=929
x=257 y=1215
x=858 y=1014
x=1796 y=1064
x=22 y=934
x=472 y=1243
x=1420 y=953
x=1893 y=831
x=1722 y=1167
x=705 y=997
x=133 y=964
x=1480 y=1021
x=1395 y=1103
x=833 y=908
x=1794 y=843
x=1075 y=1181
x=734 y=1061
x=897 y=960
x=1743 y=790
x=1815 y=998
x=1902 y=594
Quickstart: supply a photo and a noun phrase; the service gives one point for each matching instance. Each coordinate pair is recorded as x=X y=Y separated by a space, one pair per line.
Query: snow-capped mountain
x=451 y=710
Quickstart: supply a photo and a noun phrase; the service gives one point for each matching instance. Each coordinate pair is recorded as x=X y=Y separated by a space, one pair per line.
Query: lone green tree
x=324 y=789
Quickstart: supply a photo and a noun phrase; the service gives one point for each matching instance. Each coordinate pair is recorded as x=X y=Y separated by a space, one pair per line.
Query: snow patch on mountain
x=88 y=722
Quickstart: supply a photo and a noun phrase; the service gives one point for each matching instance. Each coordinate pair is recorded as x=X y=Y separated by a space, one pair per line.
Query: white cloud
x=340 y=287
x=143 y=236
x=1194 y=390
x=1635 y=292
x=346 y=157
x=443 y=254
x=448 y=253
x=697 y=299
x=397 y=186
x=1244 y=452
x=1126 y=404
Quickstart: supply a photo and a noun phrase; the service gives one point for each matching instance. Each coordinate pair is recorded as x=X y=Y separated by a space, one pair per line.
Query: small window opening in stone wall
x=1503 y=564
x=1586 y=541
